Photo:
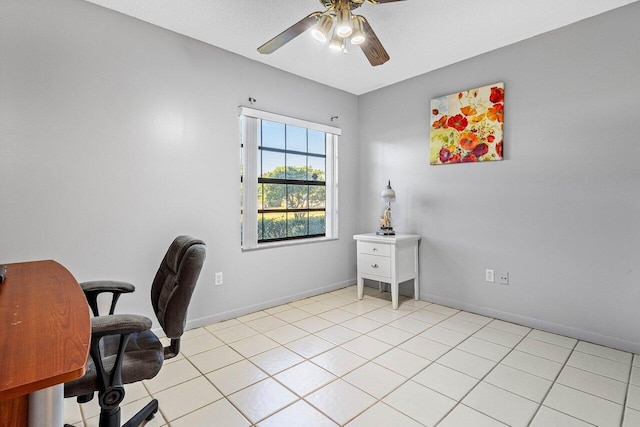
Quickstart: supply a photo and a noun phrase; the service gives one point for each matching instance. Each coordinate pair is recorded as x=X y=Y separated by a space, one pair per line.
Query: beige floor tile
x=605 y=352
x=545 y=368
x=425 y=348
x=472 y=317
x=550 y=417
x=216 y=358
x=340 y=401
x=584 y=406
x=428 y=316
x=337 y=334
x=186 y=397
x=253 y=345
x=235 y=377
x=391 y=335
x=631 y=418
x=359 y=308
x=292 y=315
x=519 y=382
x=556 y=339
x=382 y=415
x=309 y=346
x=366 y=347
x=446 y=381
x=467 y=363
x=316 y=308
x=223 y=412
x=460 y=325
x=408 y=324
x=199 y=344
x=463 y=416
x=500 y=404
x=276 y=360
x=420 y=403
x=171 y=375
x=543 y=349
x=482 y=348
x=234 y=333
x=252 y=316
x=305 y=378
x=285 y=334
x=497 y=336
x=512 y=328
x=444 y=336
x=222 y=325
x=598 y=365
x=374 y=379
x=266 y=323
x=402 y=362
x=339 y=361
x=262 y=399
x=313 y=324
x=300 y=413
x=361 y=324
x=595 y=384
x=337 y=315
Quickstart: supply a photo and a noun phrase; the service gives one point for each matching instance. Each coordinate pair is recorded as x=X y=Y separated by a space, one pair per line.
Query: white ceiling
x=420 y=35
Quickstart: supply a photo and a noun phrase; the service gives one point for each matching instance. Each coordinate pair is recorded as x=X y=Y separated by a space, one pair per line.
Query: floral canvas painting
x=467 y=126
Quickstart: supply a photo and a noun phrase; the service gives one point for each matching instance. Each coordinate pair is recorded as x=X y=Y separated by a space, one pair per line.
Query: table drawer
x=374 y=265
x=370 y=248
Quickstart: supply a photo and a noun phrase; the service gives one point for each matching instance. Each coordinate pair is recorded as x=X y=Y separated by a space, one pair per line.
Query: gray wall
x=560 y=213
x=116 y=136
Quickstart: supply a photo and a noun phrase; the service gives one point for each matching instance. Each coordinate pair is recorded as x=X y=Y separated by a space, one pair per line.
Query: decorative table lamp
x=388 y=195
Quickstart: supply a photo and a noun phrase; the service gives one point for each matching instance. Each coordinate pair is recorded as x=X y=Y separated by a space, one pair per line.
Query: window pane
x=272 y=134
x=317 y=196
x=272 y=164
x=296 y=166
x=317 y=223
x=260 y=194
x=275 y=226
x=274 y=196
x=297 y=197
x=297 y=224
x=296 y=139
x=316 y=142
x=259 y=226
x=316 y=168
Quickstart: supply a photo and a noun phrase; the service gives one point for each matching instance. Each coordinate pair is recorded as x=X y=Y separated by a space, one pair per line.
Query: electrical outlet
x=488 y=275
x=219 y=278
x=503 y=278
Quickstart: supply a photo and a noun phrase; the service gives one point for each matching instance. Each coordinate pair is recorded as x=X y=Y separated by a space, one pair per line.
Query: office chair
x=123 y=348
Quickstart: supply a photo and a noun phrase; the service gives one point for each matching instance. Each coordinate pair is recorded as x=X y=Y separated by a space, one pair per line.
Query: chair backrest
x=174 y=283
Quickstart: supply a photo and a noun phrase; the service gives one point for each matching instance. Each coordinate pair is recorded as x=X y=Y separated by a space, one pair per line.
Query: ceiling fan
x=346 y=27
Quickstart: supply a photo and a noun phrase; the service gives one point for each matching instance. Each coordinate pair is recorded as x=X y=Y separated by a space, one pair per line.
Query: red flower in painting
x=435 y=112
x=496 y=113
x=458 y=122
x=455 y=158
x=440 y=123
x=497 y=94
x=499 y=149
x=491 y=138
x=445 y=155
x=469 y=158
x=480 y=150
x=468 y=140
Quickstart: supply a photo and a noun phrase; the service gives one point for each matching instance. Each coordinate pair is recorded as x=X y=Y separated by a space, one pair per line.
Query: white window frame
x=249 y=119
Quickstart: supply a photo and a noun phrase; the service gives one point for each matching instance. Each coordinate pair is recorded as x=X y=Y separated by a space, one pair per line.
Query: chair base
x=145 y=414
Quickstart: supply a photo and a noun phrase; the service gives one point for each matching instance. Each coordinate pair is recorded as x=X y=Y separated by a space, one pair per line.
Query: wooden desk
x=45 y=332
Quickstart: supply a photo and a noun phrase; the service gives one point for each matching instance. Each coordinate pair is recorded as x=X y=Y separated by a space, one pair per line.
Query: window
x=289 y=179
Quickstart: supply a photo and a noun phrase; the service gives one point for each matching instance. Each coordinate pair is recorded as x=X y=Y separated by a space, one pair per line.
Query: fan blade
x=290 y=33
x=371 y=46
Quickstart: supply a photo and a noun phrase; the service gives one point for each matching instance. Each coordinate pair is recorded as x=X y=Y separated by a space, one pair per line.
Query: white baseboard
x=544 y=325
x=241 y=311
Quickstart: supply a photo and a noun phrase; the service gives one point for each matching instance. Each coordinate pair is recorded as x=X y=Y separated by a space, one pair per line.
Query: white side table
x=388 y=259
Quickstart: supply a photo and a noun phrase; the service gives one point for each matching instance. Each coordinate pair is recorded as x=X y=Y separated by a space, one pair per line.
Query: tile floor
x=332 y=360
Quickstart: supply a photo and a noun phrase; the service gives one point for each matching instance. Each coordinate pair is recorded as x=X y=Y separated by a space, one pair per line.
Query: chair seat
x=142 y=360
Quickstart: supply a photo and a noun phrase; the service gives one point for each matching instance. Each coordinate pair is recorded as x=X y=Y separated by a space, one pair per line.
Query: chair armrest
x=94 y=288
x=119 y=324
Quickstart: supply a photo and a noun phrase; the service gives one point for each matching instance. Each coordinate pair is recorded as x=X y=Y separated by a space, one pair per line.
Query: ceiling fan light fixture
x=336 y=42
x=343 y=16
x=321 y=30
x=358 y=36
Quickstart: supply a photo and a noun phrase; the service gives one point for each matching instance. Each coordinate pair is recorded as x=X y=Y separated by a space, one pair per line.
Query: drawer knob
x=375 y=249
x=374 y=265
